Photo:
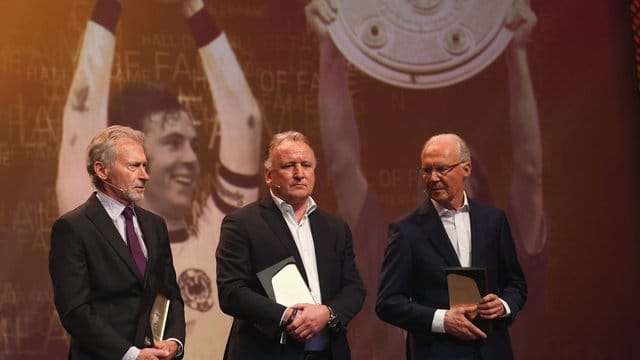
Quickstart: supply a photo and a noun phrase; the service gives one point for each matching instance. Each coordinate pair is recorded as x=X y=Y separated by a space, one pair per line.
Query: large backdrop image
x=548 y=105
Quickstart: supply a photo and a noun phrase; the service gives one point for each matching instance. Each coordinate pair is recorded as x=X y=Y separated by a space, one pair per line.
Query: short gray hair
x=103 y=147
x=461 y=145
x=279 y=138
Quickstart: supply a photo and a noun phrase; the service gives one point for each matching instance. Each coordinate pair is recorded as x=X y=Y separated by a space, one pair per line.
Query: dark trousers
x=318 y=355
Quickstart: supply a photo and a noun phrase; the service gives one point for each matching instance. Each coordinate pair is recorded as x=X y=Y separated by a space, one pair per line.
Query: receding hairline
x=286 y=136
x=461 y=146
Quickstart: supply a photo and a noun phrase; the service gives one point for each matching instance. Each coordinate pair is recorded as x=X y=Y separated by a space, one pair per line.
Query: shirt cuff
x=507 y=310
x=180 y=346
x=282 y=317
x=437 y=325
x=131 y=354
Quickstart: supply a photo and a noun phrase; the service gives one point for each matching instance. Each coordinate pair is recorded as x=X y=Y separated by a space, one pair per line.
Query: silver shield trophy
x=420 y=44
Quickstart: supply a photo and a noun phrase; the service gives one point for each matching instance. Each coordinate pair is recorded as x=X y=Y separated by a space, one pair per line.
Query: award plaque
x=467 y=286
x=420 y=44
x=284 y=284
x=158 y=317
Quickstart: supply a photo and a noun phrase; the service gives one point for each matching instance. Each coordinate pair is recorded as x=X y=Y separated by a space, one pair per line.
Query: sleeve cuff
x=131 y=354
x=106 y=13
x=203 y=28
x=180 y=346
x=507 y=310
x=282 y=317
x=437 y=325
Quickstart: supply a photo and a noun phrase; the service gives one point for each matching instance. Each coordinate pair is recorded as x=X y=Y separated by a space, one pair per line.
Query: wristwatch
x=333 y=319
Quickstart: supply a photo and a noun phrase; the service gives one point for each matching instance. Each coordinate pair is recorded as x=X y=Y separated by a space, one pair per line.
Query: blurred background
x=583 y=280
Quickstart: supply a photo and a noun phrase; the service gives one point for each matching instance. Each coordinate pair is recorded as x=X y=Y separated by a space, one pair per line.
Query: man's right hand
x=152 y=354
x=319 y=15
x=457 y=324
x=310 y=320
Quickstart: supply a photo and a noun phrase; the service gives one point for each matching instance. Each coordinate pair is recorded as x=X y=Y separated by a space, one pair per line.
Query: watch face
x=333 y=321
x=420 y=43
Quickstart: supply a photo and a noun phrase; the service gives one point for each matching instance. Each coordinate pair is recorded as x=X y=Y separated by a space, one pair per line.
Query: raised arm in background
x=357 y=203
x=238 y=112
x=87 y=103
x=341 y=141
x=85 y=111
x=526 y=208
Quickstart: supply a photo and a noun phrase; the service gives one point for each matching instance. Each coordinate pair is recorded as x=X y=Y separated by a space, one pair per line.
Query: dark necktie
x=133 y=241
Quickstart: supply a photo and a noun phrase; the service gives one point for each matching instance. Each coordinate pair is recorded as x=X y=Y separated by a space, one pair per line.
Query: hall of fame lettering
x=195 y=286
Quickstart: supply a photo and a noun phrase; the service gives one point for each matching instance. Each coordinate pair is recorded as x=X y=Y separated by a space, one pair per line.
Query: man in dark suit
x=450 y=230
x=109 y=259
x=288 y=223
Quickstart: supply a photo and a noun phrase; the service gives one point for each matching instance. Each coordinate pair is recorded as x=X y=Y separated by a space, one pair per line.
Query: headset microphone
x=113 y=186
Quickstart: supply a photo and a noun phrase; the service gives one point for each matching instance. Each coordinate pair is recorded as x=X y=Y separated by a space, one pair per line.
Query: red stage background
x=583 y=302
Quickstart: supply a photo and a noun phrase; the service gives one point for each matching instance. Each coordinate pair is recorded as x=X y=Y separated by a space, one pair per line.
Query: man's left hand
x=169 y=346
x=521 y=20
x=491 y=307
x=310 y=320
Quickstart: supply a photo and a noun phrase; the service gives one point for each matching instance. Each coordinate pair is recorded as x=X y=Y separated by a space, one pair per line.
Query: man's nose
x=298 y=172
x=188 y=154
x=433 y=176
x=144 y=175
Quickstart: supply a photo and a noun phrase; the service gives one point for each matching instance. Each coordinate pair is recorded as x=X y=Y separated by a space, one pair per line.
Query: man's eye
x=173 y=142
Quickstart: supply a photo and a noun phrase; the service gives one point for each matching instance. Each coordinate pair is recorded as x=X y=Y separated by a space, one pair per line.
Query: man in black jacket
x=110 y=258
x=288 y=223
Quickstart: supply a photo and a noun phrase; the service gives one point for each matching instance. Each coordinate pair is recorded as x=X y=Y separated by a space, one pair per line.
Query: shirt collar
x=284 y=207
x=113 y=207
x=442 y=211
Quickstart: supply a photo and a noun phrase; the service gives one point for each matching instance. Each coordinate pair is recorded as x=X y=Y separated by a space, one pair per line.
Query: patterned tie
x=133 y=241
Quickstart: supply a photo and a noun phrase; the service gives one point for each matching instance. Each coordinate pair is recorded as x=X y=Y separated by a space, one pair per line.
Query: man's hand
x=153 y=354
x=521 y=20
x=309 y=320
x=491 y=307
x=190 y=7
x=320 y=14
x=456 y=323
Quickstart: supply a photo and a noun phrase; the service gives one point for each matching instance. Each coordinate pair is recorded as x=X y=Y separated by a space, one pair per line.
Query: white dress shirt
x=301 y=232
x=114 y=210
x=458 y=227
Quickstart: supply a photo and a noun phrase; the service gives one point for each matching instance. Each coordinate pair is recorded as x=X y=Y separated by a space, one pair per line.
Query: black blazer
x=101 y=298
x=256 y=237
x=413 y=282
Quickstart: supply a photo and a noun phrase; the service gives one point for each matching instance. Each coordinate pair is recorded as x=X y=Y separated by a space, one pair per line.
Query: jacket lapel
x=150 y=236
x=103 y=223
x=321 y=243
x=431 y=225
x=273 y=217
x=477 y=254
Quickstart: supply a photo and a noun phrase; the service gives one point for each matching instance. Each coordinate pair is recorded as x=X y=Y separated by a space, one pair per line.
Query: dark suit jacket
x=256 y=237
x=101 y=298
x=413 y=283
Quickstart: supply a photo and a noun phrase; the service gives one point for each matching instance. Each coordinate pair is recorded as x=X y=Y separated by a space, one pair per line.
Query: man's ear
x=101 y=170
x=467 y=169
x=267 y=176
